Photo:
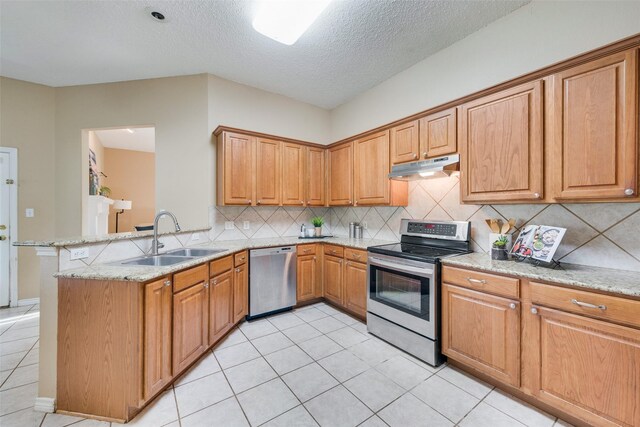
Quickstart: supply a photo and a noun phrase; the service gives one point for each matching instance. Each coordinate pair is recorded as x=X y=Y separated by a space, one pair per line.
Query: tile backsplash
x=598 y=234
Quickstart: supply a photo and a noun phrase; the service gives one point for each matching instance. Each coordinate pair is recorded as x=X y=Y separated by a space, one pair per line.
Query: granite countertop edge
x=613 y=281
x=112 y=271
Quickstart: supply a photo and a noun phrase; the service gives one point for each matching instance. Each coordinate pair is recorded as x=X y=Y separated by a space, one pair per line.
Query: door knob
x=3 y=237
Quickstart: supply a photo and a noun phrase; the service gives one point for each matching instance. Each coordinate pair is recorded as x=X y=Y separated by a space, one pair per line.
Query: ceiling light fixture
x=158 y=16
x=286 y=20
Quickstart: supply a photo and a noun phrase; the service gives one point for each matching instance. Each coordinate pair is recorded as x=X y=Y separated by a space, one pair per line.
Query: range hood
x=425 y=169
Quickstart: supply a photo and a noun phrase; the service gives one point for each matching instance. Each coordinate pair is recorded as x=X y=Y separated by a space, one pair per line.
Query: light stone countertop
x=85 y=240
x=137 y=273
x=621 y=282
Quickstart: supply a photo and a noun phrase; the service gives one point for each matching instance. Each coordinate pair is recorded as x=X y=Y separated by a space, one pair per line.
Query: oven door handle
x=423 y=272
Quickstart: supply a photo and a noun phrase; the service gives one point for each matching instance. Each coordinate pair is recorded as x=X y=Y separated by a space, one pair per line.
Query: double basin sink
x=175 y=256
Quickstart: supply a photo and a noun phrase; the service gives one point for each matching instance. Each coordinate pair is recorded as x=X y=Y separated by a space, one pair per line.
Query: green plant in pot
x=318 y=222
x=105 y=191
x=499 y=248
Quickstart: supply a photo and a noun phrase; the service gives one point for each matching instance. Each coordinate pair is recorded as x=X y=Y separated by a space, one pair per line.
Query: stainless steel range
x=404 y=285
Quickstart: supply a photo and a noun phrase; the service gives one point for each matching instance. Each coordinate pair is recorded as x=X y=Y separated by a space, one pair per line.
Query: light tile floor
x=313 y=366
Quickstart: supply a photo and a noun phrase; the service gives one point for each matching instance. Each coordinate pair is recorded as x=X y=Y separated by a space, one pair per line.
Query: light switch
x=246 y=225
x=29 y=213
x=229 y=225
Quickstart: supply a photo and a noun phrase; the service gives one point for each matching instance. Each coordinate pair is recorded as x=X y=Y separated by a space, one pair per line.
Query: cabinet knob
x=350 y=202
x=249 y=201
x=425 y=154
x=167 y=282
x=536 y=195
x=314 y=258
x=339 y=261
x=258 y=202
x=629 y=192
x=534 y=310
x=415 y=155
x=355 y=203
x=206 y=285
x=513 y=306
x=302 y=202
x=308 y=202
x=238 y=270
x=215 y=281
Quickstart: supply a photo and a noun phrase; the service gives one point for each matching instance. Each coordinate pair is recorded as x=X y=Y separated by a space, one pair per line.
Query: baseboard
x=29 y=301
x=45 y=404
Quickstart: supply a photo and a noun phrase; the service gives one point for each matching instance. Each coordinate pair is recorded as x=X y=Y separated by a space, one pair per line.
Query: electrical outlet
x=229 y=225
x=195 y=236
x=364 y=224
x=29 y=213
x=78 y=253
x=246 y=225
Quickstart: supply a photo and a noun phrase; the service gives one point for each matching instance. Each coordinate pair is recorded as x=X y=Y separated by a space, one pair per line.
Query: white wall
x=534 y=36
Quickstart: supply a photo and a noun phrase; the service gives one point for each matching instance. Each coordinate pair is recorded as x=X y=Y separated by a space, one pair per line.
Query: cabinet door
x=341 y=175
x=501 y=143
x=482 y=331
x=587 y=367
x=268 y=172
x=371 y=169
x=333 y=279
x=293 y=174
x=316 y=177
x=405 y=143
x=157 y=336
x=438 y=134
x=594 y=129
x=220 y=306
x=355 y=287
x=240 y=293
x=190 y=325
x=237 y=167
x=307 y=277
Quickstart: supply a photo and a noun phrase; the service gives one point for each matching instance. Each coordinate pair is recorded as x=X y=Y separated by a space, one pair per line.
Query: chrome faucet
x=155 y=243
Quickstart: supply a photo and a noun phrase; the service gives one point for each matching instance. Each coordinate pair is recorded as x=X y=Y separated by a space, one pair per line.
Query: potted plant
x=499 y=248
x=317 y=222
x=104 y=191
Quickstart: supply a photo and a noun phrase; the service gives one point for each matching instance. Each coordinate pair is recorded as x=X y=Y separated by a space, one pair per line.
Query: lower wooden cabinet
x=586 y=367
x=355 y=287
x=157 y=336
x=482 y=331
x=240 y=293
x=220 y=306
x=332 y=270
x=309 y=284
x=190 y=325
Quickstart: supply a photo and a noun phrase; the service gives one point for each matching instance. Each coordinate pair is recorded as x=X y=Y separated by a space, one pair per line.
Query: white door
x=5 y=209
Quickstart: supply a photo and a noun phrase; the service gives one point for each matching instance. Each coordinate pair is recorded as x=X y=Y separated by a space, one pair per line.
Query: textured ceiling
x=352 y=46
x=142 y=139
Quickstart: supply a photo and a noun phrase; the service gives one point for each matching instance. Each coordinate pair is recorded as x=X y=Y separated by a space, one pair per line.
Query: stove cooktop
x=416 y=252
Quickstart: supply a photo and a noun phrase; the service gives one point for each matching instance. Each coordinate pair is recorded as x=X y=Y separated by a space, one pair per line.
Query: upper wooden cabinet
x=341 y=174
x=438 y=134
x=235 y=159
x=293 y=174
x=268 y=179
x=501 y=146
x=593 y=129
x=316 y=171
x=371 y=166
x=405 y=143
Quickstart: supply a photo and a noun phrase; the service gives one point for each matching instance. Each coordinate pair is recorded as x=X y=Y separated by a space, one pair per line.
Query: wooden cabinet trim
x=190 y=277
x=218 y=266
x=240 y=258
x=480 y=281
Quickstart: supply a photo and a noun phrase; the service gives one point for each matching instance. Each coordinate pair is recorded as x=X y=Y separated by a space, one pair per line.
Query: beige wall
x=131 y=175
x=532 y=37
x=27 y=123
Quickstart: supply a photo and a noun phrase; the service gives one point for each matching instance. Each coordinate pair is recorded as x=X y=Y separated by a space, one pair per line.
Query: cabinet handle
x=425 y=154
x=629 y=192
x=588 y=305
x=536 y=195
x=480 y=282
x=513 y=306
x=534 y=310
x=167 y=282
x=356 y=256
x=348 y=263
x=238 y=270
x=206 y=285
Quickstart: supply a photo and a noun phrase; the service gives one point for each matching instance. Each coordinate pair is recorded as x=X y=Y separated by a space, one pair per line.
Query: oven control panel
x=432 y=228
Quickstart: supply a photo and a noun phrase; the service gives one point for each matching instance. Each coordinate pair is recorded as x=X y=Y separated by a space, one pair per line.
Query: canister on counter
x=358 y=232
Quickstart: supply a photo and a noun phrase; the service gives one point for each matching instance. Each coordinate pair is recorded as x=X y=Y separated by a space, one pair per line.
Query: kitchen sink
x=157 y=260
x=194 y=252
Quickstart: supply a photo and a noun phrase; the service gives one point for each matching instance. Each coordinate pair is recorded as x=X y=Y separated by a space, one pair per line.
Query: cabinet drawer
x=190 y=277
x=355 y=255
x=485 y=282
x=334 y=250
x=221 y=265
x=240 y=258
x=587 y=303
x=306 y=249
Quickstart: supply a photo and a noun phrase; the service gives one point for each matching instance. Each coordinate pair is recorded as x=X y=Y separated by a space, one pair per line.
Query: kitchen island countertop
x=620 y=282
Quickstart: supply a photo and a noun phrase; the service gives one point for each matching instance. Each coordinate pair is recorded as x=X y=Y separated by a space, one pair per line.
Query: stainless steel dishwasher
x=272 y=280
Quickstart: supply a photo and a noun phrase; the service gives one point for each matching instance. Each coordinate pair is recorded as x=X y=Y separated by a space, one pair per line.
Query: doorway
x=8 y=226
x=121 y=180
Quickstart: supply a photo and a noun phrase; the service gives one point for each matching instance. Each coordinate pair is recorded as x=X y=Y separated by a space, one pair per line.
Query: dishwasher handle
x=272 y=251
